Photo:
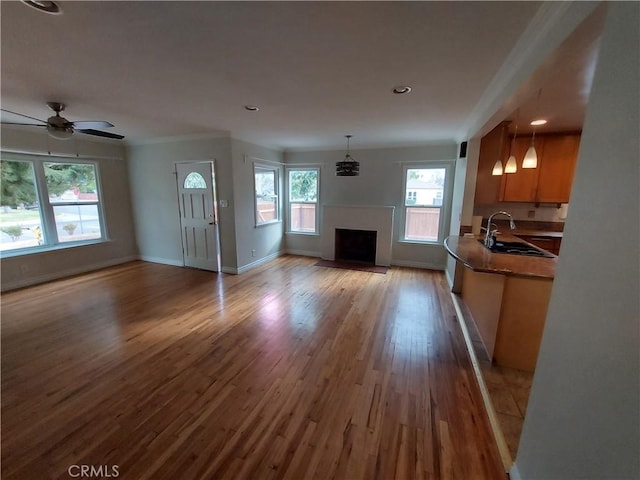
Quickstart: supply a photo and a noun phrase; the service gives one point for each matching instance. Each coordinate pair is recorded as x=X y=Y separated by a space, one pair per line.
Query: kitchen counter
x=507 y=297
x=475 y=256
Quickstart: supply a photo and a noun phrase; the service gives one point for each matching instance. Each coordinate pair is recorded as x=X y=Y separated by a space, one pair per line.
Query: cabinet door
x=488 y=185
x=522 y=185
x=557 y=167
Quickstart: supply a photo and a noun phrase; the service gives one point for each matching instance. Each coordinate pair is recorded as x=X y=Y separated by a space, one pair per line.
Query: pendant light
x=512 y=165
x=497 y=167
x=531 y=157
x=348 y=167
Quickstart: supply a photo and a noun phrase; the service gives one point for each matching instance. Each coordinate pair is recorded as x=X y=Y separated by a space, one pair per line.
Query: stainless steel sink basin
x=517 y=248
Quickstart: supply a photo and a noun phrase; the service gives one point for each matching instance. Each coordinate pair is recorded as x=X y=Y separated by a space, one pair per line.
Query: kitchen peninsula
x=507 y=296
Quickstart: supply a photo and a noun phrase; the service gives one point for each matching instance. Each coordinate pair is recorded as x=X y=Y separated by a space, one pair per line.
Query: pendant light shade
x=497 y=168
x=512 y=166
x=530 y=158
x=348 y=167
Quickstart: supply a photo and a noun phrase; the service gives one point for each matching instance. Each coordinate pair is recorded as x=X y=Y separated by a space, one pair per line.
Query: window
x=266 y=184
x=47 y=203
x=194 y=180
x=303 y=200
x=424 y=214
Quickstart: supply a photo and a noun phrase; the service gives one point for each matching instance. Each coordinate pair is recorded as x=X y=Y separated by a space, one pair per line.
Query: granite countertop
x=472 y=254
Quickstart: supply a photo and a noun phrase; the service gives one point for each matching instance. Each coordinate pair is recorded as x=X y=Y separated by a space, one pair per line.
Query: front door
x=198 y=215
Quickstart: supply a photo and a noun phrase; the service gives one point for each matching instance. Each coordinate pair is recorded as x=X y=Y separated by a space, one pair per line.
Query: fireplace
x=377 y=219
x=356 y=245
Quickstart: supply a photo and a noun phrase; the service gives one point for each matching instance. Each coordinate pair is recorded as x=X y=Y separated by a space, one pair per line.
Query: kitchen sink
x=517 y=248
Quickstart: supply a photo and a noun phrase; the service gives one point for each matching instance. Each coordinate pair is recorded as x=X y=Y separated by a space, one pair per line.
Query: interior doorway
x=198 y=215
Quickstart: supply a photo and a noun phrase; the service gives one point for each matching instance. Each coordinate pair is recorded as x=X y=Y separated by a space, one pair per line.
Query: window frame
x=288 y=170
x=50 y=237
x=262 y=168
x=445 y=207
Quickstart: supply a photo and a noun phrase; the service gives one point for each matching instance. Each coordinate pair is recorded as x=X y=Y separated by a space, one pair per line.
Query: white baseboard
x=501 y=443
x=164 y=261
x=449 y=279
x=257 y=263
x=413 y=264
x=231 y=270
x=27 y=282
x=514 y=473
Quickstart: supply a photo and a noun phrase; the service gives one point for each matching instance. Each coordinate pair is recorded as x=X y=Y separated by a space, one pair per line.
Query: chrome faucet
x=489 y=237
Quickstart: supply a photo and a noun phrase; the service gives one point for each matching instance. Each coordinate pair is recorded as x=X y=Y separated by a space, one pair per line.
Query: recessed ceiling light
x=401 y=89
x=251 y=108
x=541 y=121
x=43 y=6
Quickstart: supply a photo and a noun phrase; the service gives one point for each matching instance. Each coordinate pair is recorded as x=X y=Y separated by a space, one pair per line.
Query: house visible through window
x=303 y=200
x=423 y=208
x=266 y=189
x=48 y=203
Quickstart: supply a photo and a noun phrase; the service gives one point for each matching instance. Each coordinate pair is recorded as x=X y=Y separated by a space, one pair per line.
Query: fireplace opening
x=356 y=245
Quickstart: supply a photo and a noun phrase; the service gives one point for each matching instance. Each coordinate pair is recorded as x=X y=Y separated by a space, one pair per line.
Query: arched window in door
x=194 y=180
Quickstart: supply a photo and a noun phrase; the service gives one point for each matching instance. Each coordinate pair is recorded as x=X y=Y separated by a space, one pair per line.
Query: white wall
x=380 y=183
x=583 y=418
x=44 y=266
x=266 y=240
x=153 y=187
x=155 y=201
x=461 y=205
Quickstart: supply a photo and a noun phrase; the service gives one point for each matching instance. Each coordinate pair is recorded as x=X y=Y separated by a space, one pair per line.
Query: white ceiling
x=317 y=70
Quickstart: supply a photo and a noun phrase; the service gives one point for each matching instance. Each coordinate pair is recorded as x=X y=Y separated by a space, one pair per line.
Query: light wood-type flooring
x=287 y=371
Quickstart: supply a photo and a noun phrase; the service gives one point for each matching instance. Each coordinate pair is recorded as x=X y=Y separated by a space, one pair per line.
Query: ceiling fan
x=61 y=128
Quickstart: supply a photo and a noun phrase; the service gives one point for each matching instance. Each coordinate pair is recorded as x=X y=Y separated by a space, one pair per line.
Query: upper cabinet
x=493 y=145
x=557 y=168
x=522 y=185
x=550 y=182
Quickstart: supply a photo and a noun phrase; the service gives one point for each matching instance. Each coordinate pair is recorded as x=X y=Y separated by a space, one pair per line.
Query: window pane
x=303 y=217
x=422 y=224
x=303 y=186
x=20 y=223
x=77 y=222
x=425 y=186
x=71 y=182
x=194 y=180
x=266 y=196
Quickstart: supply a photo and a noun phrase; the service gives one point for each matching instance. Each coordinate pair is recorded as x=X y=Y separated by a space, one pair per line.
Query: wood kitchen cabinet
x=551 y=181
x=522 y=185
x=493 y=145
x=550 y=244
x=557 y=168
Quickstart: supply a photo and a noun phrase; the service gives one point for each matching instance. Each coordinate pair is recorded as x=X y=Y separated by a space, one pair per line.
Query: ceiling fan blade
x=27 y=124
x=24 y=116
x=98 y=133
x=88 y=125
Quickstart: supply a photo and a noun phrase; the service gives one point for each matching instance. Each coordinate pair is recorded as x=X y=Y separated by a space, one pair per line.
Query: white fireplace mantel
x=357 y=217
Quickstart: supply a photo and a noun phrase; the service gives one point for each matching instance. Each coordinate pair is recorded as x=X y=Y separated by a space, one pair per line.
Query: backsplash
x=521 y=211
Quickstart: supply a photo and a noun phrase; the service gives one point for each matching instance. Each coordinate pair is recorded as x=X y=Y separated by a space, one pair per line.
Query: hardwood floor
x=287 y=371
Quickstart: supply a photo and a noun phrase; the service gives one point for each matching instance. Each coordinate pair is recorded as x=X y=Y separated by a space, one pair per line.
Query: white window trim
x=47 y=216
x=289 y=231
x=445 y=208
x=257 y=167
